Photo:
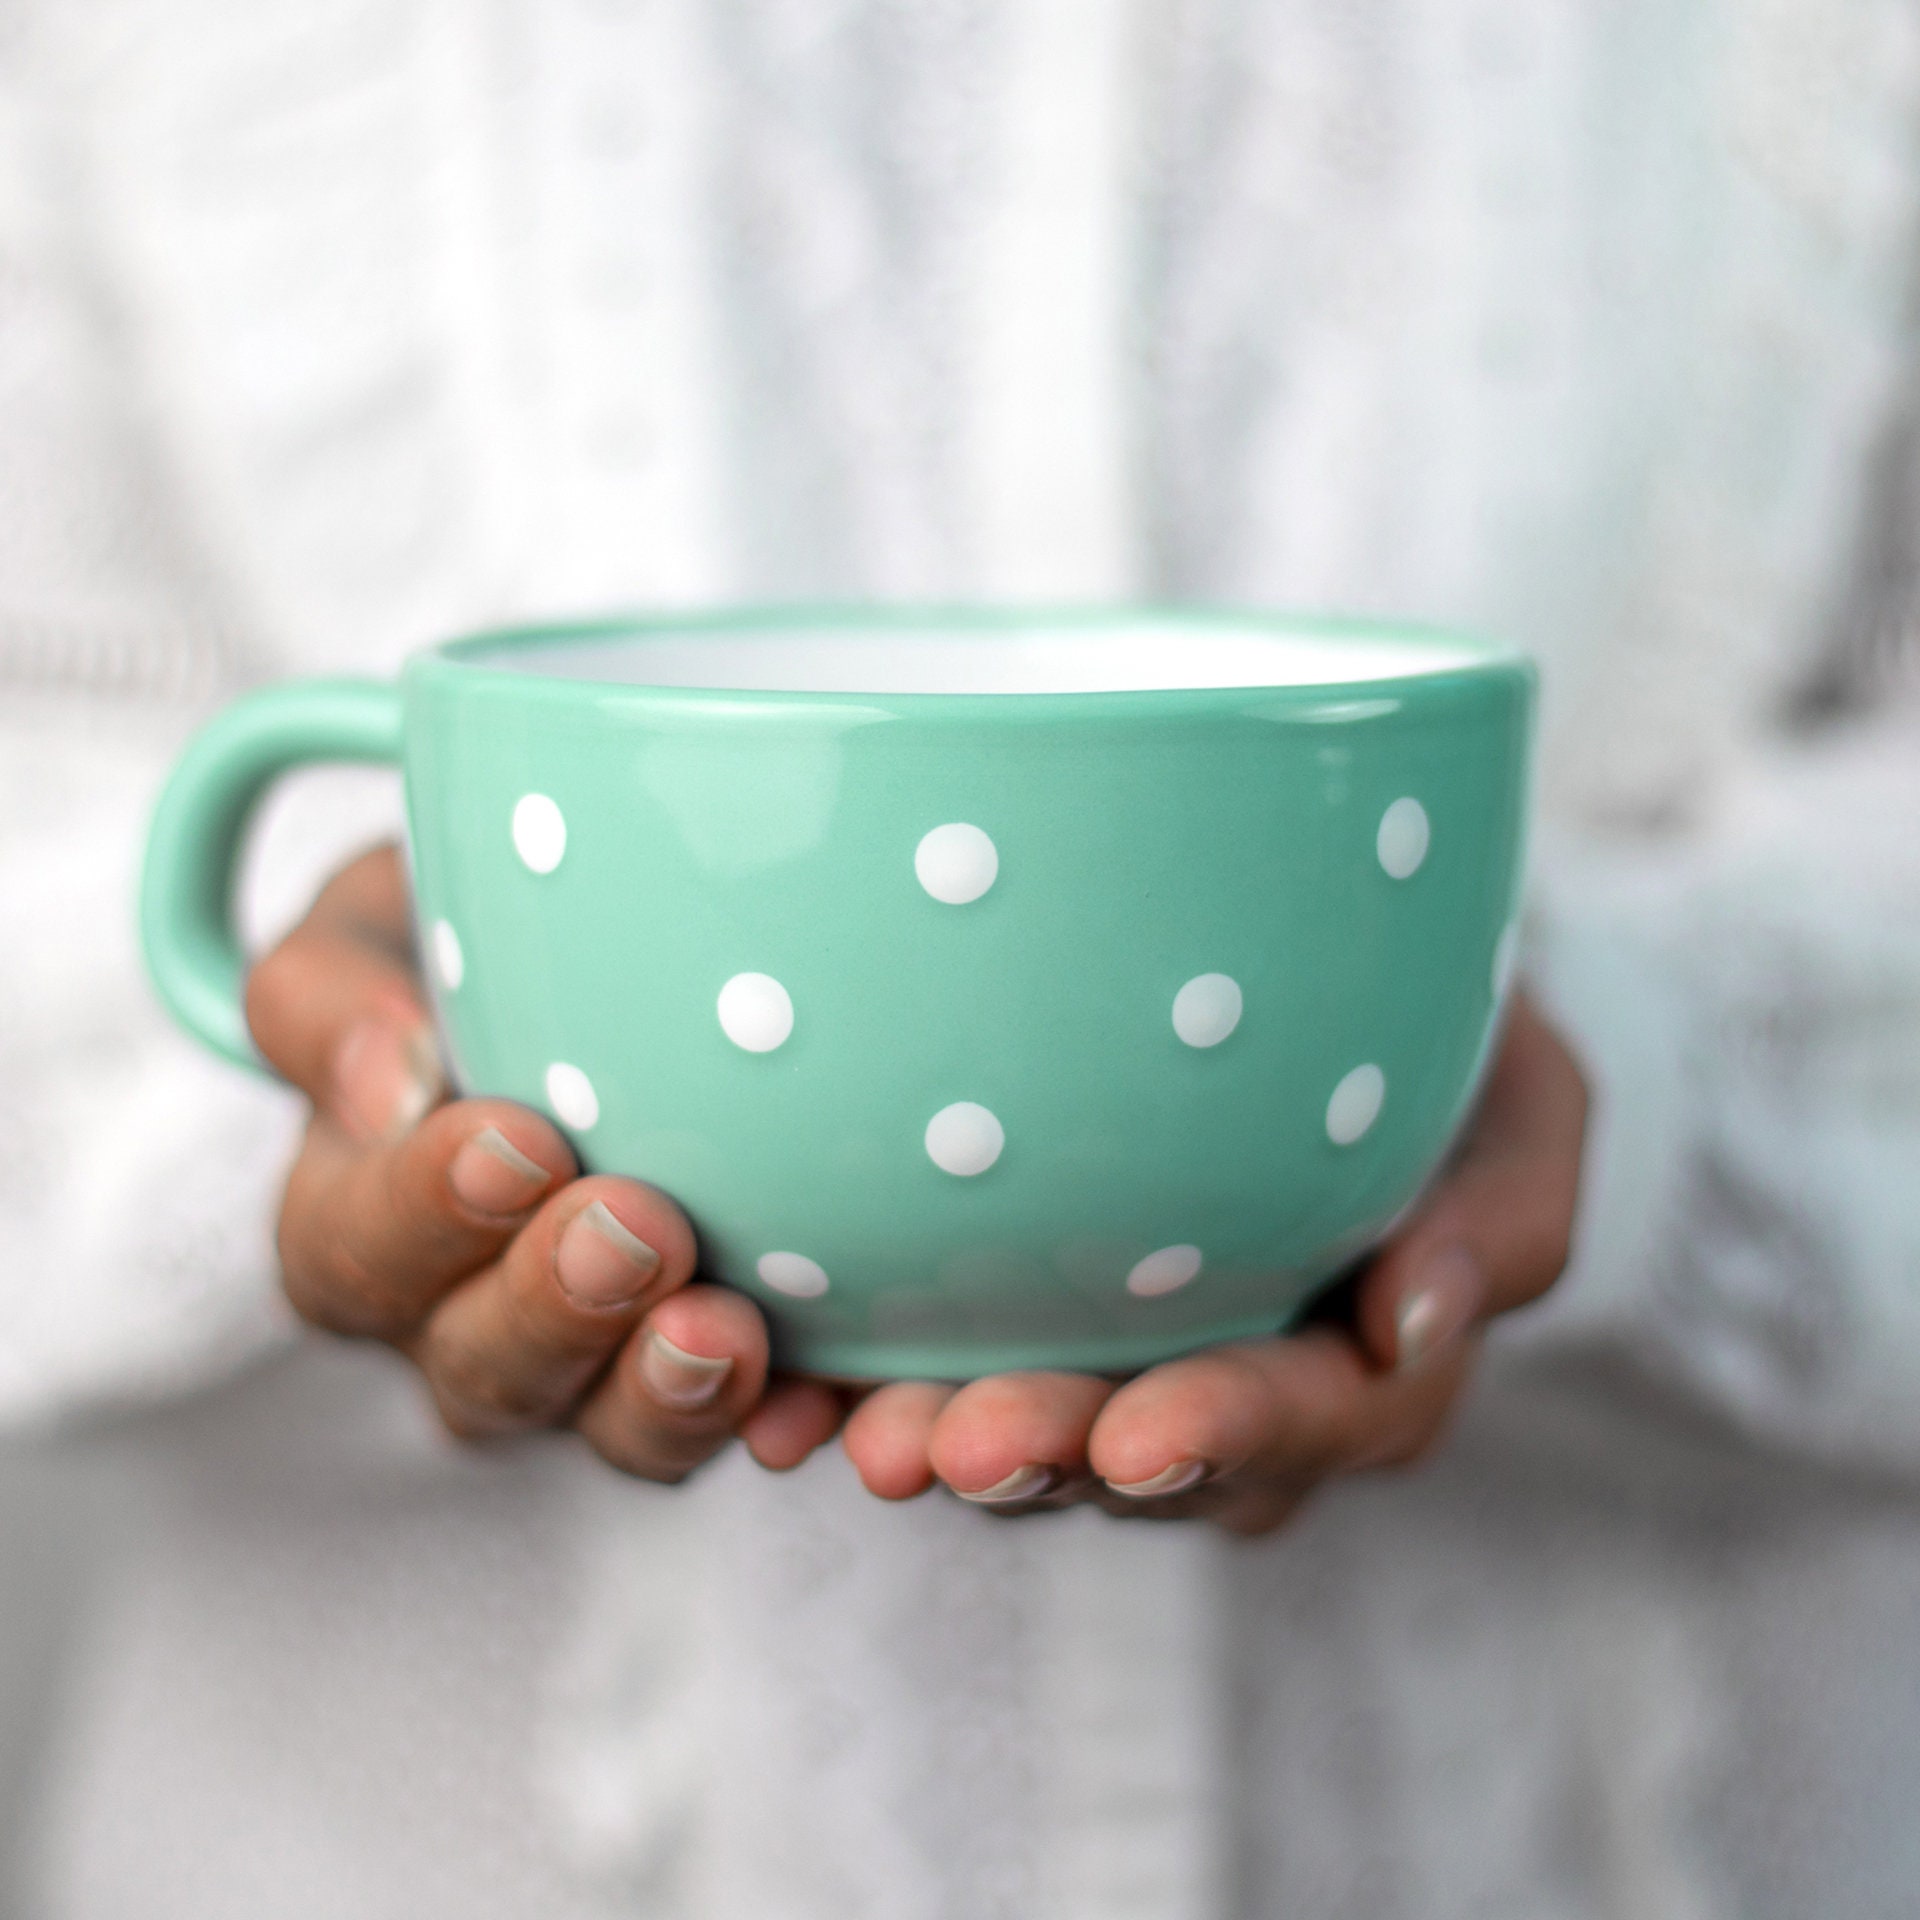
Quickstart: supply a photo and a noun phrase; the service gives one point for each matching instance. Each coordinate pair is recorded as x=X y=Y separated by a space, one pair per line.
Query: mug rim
x=469 y=656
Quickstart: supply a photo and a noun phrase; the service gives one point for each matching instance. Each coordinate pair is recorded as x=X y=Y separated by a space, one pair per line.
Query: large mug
x=993 y=990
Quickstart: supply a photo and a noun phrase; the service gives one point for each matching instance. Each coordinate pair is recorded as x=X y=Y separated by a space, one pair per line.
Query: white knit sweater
x=327 y=328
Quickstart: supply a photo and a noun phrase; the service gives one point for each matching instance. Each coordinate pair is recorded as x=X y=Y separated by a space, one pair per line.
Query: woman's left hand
x=1242 y=1434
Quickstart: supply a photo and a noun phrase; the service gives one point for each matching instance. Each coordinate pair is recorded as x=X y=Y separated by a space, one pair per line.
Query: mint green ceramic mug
x=993 y=990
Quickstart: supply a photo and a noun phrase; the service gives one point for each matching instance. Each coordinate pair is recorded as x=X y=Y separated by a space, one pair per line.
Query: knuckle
x=362 y=1299
x=414 y=1208
x=647 y=1446
x=309 y=1304
x=469 y=1419
x=466 y=1422
x=309 y=1278
x=469 y=1383
x=343 y=1267
x=331 y=1286
x=641 y=1462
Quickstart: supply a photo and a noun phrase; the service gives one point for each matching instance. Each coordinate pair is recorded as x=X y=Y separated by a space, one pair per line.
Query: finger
x=336 y=1006
x=1244 y=1504
x=889 y=1437
x=1285 y=1413
x=371 y=1238
x=1497 y=1231
x=681 y=1386
x=1258 y=1510
x=1016 y=1437
x=519 y=1343
x=793 y=1418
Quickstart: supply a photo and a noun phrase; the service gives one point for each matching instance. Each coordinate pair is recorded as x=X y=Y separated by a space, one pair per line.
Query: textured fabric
x=326 y=328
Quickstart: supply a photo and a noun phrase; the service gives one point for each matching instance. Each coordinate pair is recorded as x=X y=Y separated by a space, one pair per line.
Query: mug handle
x=193 y=847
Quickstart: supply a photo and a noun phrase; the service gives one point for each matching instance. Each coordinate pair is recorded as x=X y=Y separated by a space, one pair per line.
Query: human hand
x=458 y=1233
x=1244 y=1433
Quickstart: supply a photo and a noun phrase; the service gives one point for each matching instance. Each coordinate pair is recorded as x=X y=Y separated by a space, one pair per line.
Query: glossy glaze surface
x=974 y=1029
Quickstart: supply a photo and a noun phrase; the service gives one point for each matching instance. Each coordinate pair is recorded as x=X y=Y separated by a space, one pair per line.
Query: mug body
x=992 y=992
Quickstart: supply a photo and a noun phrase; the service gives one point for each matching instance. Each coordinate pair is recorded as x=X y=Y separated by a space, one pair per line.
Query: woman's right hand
x=458 y=1232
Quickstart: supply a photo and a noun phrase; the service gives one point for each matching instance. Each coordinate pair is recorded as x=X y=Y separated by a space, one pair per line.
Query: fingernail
x=600 y=1263
x=1023 y=1483
x=1440 y=1306
x=682 y=1380
x=491 y=1175
x=1178 y=1478
x=386 y=1078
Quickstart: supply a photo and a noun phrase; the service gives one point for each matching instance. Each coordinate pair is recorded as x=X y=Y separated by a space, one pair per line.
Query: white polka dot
x=792 y=1273
x=756 y=1012
x=956 y=863
x=1207 y=1009
x=964 y=1138
x=449 y=962
x=1506 y=957
x=1402 y=840
x=539 y=832
x=1164 y=1272
x=1355 y=1105
x=571 y=1096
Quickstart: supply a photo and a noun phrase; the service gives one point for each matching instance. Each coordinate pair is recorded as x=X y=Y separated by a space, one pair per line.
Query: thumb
x=336 y=1007
x=1497 y=1231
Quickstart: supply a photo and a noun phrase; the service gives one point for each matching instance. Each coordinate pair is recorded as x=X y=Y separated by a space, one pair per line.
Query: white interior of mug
x=1139 y=658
